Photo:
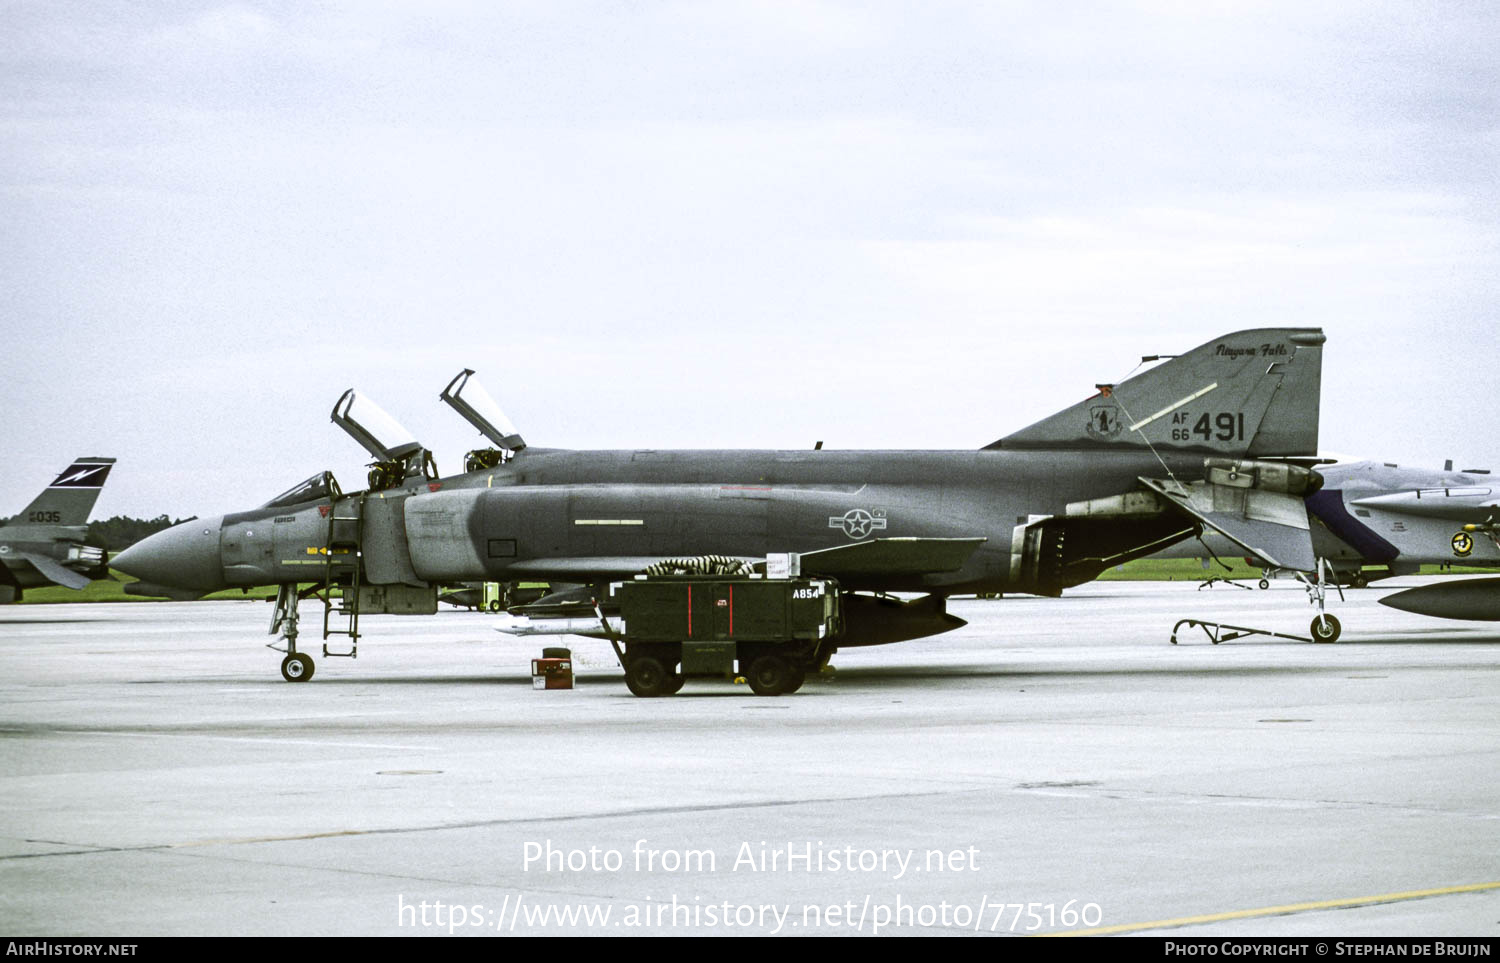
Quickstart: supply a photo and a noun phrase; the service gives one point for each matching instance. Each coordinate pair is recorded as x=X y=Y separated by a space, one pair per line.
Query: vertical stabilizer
x=71 y=496
x=1244 y=394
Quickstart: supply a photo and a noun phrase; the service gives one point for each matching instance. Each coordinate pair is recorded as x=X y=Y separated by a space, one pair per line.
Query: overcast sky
x=728 y=224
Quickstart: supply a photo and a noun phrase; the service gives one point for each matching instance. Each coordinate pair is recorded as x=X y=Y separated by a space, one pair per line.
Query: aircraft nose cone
x=185 y=557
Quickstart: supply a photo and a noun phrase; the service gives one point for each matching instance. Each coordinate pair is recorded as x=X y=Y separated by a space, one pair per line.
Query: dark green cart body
x=699 y=625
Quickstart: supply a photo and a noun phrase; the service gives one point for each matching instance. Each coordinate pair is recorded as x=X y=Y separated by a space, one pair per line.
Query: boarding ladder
x=342 y=563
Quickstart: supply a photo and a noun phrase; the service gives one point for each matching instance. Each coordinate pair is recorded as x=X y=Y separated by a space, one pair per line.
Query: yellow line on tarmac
x=1279 y=910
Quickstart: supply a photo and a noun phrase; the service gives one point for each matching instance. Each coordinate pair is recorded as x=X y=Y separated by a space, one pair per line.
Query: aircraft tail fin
x=1251 y=393
x=71 y=496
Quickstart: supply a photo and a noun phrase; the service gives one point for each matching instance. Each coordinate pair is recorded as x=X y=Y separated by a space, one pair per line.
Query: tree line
x=121 y=532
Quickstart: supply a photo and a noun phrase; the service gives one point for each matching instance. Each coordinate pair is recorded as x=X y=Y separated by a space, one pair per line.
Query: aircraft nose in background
x=185 y=557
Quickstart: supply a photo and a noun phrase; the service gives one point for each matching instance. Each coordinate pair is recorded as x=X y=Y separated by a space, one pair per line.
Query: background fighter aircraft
x=1435 y=518
x=1374 y=520
x=1208 y=439
x=1377 y=514
x=44 y=544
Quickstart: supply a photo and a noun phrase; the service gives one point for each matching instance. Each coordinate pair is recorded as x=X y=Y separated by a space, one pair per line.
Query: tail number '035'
x=1224 y=426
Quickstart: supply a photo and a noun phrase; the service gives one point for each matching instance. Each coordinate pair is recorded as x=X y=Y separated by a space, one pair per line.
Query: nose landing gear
x=297 y=666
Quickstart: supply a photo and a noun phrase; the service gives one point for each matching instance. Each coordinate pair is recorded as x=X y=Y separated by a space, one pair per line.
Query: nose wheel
x=297 y=667
x=1326 y=628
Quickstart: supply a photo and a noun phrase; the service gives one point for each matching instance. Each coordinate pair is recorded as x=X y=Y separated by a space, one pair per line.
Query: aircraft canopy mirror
x=468 y=397
x=377 y=432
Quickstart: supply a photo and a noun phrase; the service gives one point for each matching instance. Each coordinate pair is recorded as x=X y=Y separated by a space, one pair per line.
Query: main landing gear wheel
x=1325 y=628
x=1265 y=584
x=297 y=667
x=647 y=677
x=770 y=675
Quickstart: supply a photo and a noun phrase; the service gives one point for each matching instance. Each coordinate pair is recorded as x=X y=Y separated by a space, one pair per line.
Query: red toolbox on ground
x=552 y=673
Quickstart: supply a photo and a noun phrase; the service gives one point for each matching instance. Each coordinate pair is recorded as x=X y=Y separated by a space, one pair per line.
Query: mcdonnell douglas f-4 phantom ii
x=1217 y=437
x=44 y=544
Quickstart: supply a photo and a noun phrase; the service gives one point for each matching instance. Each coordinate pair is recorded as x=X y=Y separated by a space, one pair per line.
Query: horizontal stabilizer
x=54 y=571
x=891 y=556
x=1270 y=525
x=1474 y=599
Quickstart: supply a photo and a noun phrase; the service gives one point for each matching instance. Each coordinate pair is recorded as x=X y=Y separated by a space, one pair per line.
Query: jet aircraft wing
x=891 y=556
x=879 y=556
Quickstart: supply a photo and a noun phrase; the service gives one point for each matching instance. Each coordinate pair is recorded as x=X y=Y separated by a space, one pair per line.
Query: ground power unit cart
x=770 y=631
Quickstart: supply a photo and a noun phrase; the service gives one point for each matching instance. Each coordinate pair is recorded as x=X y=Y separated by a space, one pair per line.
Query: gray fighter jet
x=1214 y=438
x=1373 y=520
x=44 y=544
x=1410 y=516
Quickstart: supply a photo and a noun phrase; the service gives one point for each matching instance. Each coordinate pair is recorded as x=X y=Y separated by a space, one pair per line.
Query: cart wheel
x=1325 y=632
x=495 y=605
x=647 y=678
x=797 y=677
x=769 y=675
x=1359 y=580
x=678 y=681
x=297 y=667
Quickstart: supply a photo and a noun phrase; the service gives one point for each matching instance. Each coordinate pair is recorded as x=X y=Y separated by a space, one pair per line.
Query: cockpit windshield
x=318 y=487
